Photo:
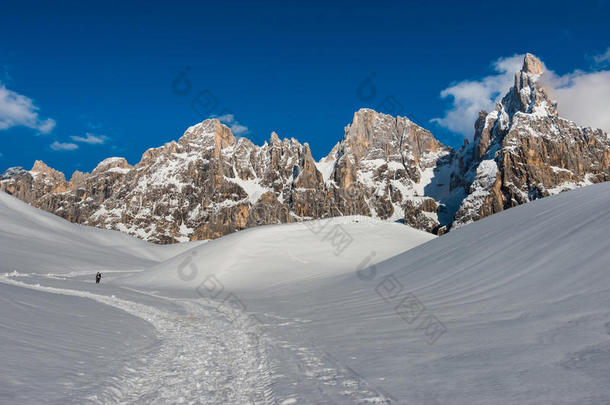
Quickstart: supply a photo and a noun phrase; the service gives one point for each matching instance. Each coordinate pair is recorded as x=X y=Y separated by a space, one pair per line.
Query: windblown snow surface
x=511 y=309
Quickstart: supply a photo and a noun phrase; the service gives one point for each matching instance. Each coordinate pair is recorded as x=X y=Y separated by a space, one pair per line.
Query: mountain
x=524 y=151
x=35 y=241
x=67 y=340
x=510 y=309
x=209 y=184
x=275 y=315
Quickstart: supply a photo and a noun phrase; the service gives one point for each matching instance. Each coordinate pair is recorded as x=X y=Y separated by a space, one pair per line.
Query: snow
x=12 y=171
x=540 y=110
x=565 y=186
x=326 y=167
x=55 y=349
x=523 y=296
x=186 y=232
x=252 y=187
x=284 y=254
x=119 y=170
x=111 y=160
x=63 y=247
x=484 y=179
x=487 y=171
x=560 y=170
x=510 y=309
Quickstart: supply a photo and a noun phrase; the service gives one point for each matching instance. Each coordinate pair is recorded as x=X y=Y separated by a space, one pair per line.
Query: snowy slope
x=57 y=348
x=282 y=256
x=520 y=300
x=34 y=241
x=67 y=340
x=511 y=309
x=523 y=298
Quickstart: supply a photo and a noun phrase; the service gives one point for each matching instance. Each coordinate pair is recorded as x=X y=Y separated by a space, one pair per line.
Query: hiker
x=98 y=277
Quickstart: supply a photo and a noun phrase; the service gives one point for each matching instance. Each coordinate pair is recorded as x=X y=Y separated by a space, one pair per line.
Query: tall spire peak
x=274 y=138
x=531 y=64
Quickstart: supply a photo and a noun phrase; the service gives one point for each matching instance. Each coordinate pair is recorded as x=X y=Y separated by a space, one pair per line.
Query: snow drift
x=34 y=241
x=511 y=309
x=514 y=308
x=282 y=256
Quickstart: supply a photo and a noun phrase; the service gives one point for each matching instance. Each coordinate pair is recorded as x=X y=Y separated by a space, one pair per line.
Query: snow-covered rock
x=511 y=309
x=209 y=184
x=523 y=151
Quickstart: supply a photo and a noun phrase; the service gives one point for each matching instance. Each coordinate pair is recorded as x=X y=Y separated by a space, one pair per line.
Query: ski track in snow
x=217 y=355
x=204 y=357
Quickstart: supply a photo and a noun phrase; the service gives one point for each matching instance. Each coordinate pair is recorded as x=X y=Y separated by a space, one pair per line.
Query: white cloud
x=602 y=58
x=60 y=146
x=237 y=128
x=472 y=96
x=582 y=97
x=19 y=110
x=90 y=139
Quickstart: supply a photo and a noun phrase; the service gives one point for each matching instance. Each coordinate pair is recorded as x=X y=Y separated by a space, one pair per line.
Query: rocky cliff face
x=382 y=165
x=208 y=184
x=523 y=151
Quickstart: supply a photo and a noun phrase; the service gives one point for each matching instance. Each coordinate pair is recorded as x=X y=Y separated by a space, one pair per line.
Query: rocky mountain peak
x=206 y=185
x=210 y=132
x=525 y=100
x=527 y=95
x=532 y=64
x=523 y=151
x=370 y=133
x=374 y=135
x=274 y=138
x=111 y=163
x=41 y=167
x=49 y=174
x=12 y=172
x=78 y=178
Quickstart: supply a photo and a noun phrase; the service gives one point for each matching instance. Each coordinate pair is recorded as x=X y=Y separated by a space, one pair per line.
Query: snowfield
x=277 y=257
x=514 y=308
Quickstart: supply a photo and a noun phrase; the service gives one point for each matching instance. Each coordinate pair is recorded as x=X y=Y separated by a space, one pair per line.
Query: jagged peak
x=531 y=64
x=11 y=172
x=209 y=132
x=274 y=138
x=527 y=95
x=40 y=167
x=111 y=163
x=370 y=115
x=367 y=112
x=206 y=127
x=78 y=177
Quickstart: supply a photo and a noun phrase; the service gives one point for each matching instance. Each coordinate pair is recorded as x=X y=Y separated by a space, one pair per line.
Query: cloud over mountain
x=582 y=96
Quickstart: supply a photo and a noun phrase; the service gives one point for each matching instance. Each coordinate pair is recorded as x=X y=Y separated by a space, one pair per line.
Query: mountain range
x=209 y=184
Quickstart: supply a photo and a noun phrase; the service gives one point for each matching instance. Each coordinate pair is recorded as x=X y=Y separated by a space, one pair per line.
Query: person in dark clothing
x=98 y=277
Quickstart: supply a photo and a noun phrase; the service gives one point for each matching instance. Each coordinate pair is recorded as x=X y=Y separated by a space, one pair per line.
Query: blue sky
x=81 y=82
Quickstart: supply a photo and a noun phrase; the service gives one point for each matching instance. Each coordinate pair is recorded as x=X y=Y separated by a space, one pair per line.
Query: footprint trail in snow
x=204 y=356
